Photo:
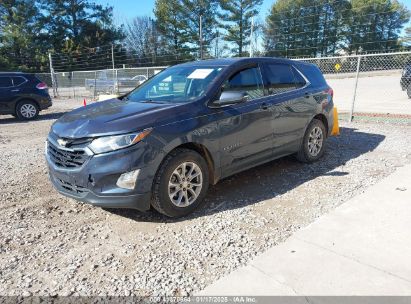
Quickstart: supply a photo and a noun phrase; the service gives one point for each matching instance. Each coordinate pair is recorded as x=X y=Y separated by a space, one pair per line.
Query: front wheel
x=181 y=183
x=313 y=145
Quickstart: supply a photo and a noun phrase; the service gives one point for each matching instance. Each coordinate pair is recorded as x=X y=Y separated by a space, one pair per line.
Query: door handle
x=264 y=106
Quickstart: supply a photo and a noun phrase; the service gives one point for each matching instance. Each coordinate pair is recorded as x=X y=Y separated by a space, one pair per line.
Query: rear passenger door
x=289 y=106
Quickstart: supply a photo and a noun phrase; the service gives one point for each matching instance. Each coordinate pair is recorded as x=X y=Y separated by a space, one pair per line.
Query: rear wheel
x=27 y=110
x=313 y=145
x=181 y=183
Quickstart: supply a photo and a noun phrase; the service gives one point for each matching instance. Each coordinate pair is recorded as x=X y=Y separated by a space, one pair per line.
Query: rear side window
x=248 y=80
x=5 y=82
x=18 y=81
x=313 y=73
x=299 y=79
x=280 y=78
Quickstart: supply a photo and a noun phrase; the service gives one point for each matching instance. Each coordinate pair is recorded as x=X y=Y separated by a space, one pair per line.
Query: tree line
x=82 y=35
x=322 y=27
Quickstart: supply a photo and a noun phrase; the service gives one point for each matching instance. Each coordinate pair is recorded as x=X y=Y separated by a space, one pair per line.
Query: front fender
x=170 y=137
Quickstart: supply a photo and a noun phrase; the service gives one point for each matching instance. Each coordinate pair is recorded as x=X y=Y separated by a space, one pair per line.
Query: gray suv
x=189 y=126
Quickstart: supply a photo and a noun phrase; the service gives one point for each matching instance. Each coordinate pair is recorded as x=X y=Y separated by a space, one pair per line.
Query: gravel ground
x=52 y=245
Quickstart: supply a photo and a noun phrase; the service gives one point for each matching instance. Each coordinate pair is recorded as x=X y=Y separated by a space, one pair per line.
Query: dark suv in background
x=23 y=95
x=405 y=81
x=189 y=126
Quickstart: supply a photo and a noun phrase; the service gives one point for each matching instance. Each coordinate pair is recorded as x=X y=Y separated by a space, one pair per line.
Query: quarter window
x=280 y=79
x=5 y=82
x=18 y=81
x=248 y=80
x=299 y=79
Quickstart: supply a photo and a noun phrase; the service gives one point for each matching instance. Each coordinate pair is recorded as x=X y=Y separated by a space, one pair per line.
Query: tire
x=188 y=194
x=313 y=145
x=409 y=91
x=27 y=110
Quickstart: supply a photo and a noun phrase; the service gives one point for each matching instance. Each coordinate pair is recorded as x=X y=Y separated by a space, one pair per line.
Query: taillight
x=41 y=86
x=330 y=92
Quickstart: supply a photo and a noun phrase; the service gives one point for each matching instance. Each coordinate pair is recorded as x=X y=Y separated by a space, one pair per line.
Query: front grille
x=66 y=159
x=75 y=189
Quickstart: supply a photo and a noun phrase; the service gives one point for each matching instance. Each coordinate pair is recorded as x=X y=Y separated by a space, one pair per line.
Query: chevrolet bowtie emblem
x=62 y=142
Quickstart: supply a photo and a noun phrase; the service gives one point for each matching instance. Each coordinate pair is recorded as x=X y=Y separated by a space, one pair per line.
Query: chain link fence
x=91 y=84
x=368 y=85
x=362 y=83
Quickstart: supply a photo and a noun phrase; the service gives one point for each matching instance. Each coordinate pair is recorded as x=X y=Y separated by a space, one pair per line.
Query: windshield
x=176 y=84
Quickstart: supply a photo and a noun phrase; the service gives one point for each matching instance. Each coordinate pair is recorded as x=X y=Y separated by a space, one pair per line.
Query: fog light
x=128 y=180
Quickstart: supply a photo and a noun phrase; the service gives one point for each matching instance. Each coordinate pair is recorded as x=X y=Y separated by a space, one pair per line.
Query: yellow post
x=336 y=128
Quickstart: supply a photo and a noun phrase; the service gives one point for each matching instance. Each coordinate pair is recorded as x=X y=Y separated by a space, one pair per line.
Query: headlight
x=112 y=143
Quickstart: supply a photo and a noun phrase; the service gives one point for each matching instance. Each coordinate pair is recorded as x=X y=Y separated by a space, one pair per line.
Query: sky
x=127 y=9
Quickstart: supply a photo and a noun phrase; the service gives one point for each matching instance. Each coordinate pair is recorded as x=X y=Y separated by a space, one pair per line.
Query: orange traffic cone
x=84 y=102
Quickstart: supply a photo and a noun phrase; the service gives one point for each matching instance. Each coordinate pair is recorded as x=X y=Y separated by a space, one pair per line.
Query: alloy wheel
x=28 y=110
x=315 y=141
x=185 y=184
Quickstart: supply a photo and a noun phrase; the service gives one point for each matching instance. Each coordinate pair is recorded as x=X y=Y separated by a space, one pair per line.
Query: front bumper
x=94 y=182
x=132 y=201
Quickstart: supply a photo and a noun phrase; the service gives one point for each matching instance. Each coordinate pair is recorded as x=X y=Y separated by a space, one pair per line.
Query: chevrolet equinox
x=191 y=125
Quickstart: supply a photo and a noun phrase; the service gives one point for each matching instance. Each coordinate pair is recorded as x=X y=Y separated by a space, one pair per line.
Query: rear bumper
x=45 y=103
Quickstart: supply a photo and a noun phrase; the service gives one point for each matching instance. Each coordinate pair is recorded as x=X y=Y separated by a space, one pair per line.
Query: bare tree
x=142 y=39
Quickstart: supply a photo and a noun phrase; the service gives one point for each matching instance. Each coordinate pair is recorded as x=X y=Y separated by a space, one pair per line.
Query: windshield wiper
x=152 y=101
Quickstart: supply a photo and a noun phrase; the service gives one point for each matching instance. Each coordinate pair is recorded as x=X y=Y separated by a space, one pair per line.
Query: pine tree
x=305 y=28
x=207 y=9
x=22 y=46
x=407 y=38
x=173 y=28
x=236 y=20
x=83 y=22
x=375 y=25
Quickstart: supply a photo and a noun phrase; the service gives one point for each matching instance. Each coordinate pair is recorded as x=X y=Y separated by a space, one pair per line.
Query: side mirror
x=231 y=97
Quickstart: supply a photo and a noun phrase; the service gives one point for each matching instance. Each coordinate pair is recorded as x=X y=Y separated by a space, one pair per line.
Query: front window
x=176 y=85
x=248 y=81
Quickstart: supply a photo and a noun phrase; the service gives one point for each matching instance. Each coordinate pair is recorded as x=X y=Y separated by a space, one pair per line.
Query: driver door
x=246 y=136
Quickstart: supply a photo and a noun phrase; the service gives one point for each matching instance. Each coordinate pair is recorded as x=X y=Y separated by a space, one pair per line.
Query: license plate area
x=69 y=184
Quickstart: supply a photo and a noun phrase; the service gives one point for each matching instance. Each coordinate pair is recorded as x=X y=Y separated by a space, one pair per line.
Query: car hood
x=115 y=116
